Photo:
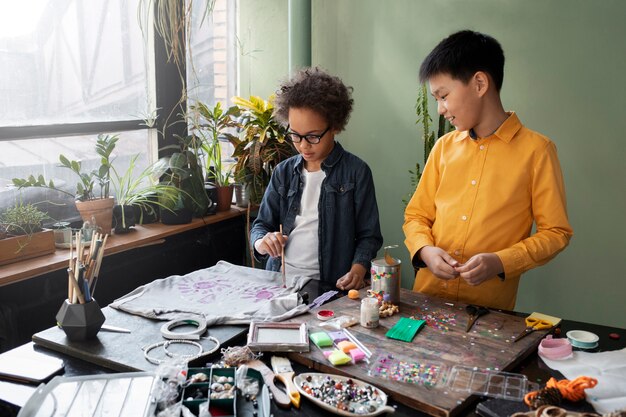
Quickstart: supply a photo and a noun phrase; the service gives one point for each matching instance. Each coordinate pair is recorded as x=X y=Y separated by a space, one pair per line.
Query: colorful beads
x=406 y=370
x=345 y=395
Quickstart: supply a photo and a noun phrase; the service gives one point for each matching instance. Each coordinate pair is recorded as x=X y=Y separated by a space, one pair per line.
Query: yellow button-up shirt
x=480 y=196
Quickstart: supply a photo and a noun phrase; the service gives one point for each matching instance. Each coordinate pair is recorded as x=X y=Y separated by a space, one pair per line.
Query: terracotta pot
x=101 y=209
x=224 y=197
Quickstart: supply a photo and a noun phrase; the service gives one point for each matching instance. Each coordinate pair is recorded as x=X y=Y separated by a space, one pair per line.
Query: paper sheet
x=609 y=368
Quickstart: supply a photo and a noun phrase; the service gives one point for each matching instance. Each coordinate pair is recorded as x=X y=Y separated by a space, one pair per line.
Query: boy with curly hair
x=324 y=197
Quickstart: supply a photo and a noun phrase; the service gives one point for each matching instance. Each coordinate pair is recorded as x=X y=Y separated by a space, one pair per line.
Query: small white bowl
x=583 y=339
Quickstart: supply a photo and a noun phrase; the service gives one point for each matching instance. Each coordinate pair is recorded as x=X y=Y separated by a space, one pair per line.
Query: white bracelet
x=200 y=323
x=167 y=343
x=182 y=342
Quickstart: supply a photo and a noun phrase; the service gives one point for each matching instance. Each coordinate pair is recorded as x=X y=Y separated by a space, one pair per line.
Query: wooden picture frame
x=278 y=337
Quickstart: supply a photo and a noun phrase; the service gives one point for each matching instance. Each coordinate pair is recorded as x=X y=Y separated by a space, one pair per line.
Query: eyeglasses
x=312 y=139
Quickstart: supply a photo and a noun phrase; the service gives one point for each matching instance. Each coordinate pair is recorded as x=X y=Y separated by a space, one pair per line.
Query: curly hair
x=315 y=89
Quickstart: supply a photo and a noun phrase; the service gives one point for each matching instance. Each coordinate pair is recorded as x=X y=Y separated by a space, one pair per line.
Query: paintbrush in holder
x=80 y=316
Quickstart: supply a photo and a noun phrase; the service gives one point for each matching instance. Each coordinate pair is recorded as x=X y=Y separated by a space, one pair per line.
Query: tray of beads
x=410 y=370
x=490 y=383
x=342 y=395
x=214 y=387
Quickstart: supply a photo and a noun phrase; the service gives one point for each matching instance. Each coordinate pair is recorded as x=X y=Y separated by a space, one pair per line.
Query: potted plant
x=24 y=237
x=428 y=136
x=185 y=174
x=140 y=194
x=90 y=204
x=260 y=146
x=210 y=126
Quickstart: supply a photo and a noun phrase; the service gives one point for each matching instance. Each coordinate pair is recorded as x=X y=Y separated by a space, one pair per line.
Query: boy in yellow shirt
x=468 y=225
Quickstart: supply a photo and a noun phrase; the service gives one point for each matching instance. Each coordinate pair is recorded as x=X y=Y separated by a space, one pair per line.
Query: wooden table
x=439 y=346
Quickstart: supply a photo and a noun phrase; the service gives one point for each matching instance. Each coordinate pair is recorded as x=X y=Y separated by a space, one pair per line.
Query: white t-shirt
x=301 y=252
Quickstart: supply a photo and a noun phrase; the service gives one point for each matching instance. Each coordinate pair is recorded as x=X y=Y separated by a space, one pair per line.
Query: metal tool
x=533 y=324
x=114 y=329
x=474 y=313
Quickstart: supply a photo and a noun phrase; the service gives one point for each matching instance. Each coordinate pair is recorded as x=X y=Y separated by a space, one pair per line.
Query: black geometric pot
x=123 y=224
x=80 y=321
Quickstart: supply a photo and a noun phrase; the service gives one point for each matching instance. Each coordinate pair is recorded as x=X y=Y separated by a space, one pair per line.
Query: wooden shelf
x=142 y=235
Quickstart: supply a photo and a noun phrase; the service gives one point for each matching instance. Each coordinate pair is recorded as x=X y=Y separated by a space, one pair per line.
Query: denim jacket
x=349 y=229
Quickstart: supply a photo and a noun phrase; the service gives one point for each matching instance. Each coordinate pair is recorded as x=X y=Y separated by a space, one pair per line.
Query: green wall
x=564 y=76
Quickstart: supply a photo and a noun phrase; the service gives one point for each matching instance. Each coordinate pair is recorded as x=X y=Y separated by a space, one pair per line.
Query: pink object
x=357 y=355
x=327 y=353
x=555 y=349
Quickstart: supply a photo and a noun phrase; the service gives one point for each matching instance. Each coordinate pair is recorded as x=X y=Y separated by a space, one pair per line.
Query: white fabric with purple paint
x=223 y=294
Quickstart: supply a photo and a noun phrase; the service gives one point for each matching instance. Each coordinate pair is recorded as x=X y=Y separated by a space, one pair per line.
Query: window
x=73 y=69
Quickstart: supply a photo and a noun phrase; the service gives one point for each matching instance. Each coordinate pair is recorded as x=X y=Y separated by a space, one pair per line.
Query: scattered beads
x=436 y=319
x=345 y=395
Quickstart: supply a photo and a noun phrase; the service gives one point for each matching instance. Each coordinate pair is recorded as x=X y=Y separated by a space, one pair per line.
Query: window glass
x=71 y=61
x=211 y=63
x=41 y=157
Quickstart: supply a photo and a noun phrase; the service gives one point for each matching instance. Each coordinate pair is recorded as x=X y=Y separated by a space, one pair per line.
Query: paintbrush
x=280 y=398
x=284 y=372
x=282 y=259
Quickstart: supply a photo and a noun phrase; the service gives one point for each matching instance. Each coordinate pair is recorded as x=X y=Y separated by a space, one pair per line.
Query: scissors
x=533 y=324
x=474 y=313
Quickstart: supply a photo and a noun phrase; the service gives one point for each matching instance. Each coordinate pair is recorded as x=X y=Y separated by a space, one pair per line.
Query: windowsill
x=142 y=236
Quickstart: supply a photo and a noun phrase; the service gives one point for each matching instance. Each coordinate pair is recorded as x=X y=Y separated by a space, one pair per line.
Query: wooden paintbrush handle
x=280 y=397
x=287 y=379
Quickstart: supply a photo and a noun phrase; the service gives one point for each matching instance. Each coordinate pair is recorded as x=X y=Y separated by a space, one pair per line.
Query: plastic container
x=370 y=316
x=410 y=370
x=485 y=382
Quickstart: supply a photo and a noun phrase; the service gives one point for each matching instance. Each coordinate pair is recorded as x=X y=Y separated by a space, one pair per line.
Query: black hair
x=462 y=54
x=315 y=89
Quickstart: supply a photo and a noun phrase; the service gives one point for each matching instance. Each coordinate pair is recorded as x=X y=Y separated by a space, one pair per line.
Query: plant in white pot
x=90 y=203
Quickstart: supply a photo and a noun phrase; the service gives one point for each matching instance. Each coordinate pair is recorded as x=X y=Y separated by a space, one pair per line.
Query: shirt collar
x=505 y=132
x=330 y=161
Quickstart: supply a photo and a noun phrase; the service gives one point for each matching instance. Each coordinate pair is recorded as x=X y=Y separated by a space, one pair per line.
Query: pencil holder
x=80 y=321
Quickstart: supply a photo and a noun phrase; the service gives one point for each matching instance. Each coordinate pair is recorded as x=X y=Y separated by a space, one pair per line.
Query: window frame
x=164 y=89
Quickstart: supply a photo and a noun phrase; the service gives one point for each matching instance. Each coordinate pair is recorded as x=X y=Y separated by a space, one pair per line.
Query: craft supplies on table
x=410 y=370
x=441 y=341
x=342 y=395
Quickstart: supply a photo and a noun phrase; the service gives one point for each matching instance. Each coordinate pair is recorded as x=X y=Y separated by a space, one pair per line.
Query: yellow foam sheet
x=550 y=319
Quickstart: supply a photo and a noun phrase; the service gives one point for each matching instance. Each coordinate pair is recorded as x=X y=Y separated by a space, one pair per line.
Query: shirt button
x=463 y=218
x=457 y=252
x=482 y=147
x=473 y=182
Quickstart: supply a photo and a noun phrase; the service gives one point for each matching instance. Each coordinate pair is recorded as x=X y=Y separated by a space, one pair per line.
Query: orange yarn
x=570 y=390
